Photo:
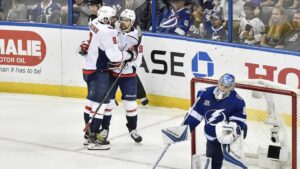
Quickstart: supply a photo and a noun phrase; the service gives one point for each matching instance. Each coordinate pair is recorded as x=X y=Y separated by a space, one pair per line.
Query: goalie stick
x=173 y=135
x=87 y=126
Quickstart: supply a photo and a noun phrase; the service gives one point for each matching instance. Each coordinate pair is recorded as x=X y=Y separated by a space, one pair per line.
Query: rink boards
x=44 y=60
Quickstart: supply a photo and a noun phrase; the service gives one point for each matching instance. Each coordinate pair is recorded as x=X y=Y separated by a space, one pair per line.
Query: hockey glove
x=227 y=132
x=84 y=46
x=132 y=53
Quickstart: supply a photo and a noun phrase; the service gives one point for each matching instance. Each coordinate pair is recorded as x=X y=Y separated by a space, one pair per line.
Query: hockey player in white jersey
x=128 y=39
x=102 y=50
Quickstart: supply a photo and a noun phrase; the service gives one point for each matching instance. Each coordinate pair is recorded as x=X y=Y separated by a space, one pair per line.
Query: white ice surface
x=44 y=132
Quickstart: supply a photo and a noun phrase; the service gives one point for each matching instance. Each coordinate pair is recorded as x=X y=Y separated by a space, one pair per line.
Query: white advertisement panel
x=171 y=63
x=30 y=55
x=49 y=56
x=72 y=62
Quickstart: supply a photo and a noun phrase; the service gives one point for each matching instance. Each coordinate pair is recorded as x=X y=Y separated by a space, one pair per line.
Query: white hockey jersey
x=257 y=28
x=103 y=47
x=127 y=41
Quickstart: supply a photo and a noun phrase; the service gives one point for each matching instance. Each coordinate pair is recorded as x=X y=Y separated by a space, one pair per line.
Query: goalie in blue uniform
x=223 y=111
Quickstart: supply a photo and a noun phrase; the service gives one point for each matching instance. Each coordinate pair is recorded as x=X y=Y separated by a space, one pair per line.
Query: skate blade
x=86 y=142
x=98 y=147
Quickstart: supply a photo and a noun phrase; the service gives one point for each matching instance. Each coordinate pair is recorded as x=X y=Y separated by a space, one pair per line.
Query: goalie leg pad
x=232 y=159
x=201 y=162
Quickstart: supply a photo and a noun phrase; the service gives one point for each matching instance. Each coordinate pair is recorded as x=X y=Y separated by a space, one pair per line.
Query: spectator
x=118 y=5
x=206 y=4
x=251 y=27
x=1 y=11
x=42 y=11
x=18 y=12
x=217 y=6
x=197 y=28
x=163 y=7
x=292 y=39
x=94 y=6
x=5 y=5
x=278 y=25
x=177 y=20
x=238 y=13
x=268 y=3
x=144 y=15
x=285 y=3
x=296 y=4
x=217 y=31
x=82 y=11
x=133 y=4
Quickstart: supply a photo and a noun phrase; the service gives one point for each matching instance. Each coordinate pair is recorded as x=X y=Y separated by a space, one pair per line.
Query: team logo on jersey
x=213 y=117
x=206 y=103
x=170 y=22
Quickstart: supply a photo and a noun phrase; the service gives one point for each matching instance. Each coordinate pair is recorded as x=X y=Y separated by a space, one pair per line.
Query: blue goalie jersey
x=231 y=108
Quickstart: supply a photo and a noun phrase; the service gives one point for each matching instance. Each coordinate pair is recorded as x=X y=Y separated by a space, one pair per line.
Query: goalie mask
x=226 y=84
x=107 y=15
x=127 y=19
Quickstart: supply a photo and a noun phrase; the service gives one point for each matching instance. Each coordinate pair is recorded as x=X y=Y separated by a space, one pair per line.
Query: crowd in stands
x=270 y=23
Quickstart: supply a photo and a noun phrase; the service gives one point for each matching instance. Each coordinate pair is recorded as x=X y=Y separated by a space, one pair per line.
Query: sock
x=106 y=122
x=96 y=123
x=86 y=117
x=131 y=122
x=87 y=113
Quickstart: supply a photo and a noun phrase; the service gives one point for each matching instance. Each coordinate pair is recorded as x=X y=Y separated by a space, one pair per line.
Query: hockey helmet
x=128 y=14
x=226 y=84
x=106 y=12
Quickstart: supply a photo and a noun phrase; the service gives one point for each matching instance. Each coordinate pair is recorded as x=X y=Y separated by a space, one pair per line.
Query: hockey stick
x=161 y=155
x=87 y=126
x=173 y=135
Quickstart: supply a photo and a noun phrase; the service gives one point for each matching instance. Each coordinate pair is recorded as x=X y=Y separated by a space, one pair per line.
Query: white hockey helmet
x=106 y=12
x=128 y=14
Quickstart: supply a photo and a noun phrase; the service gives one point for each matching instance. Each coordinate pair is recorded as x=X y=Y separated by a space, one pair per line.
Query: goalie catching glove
x=227 y=132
